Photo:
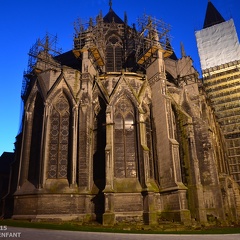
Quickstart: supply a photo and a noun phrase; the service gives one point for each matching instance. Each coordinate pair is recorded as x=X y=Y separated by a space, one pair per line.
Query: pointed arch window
x=113 y=54
x=59 y=138
x=35 y=147
x=125 y=140
x=150 y=146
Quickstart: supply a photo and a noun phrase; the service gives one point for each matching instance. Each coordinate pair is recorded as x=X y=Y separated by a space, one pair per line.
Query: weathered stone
x=120 y=137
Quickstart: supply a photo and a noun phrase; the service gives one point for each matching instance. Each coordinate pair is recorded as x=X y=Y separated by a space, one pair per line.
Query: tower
x=219 y=52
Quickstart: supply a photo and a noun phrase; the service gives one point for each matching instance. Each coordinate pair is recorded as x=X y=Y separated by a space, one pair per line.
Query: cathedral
x=119 y=130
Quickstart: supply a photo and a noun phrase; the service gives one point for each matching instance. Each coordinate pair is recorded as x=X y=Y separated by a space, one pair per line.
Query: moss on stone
x=108 y=219
x=152 y=186
x=126 y=185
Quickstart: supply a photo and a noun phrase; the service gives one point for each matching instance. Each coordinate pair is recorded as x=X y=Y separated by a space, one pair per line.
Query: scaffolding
x=89 y=37
x=223 y=88
x=47 y=45
x=222 y=85
x=153 y=35
x=40 y=57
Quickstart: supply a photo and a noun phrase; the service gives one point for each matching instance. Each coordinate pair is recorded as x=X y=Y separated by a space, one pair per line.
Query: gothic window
x=99 y=142
x=150 y=146
x=125 y=140
x=174 y=129
x=113 y=54
x=59 y=138
x=35 y=148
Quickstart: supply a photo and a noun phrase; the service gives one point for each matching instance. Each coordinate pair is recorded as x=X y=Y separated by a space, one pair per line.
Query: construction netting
x=218 y=44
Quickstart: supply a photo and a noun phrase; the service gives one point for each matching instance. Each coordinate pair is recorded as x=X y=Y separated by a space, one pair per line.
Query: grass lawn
x=95 y=227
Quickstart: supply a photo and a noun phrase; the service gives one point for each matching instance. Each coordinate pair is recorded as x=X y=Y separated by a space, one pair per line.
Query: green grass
x=76 y=226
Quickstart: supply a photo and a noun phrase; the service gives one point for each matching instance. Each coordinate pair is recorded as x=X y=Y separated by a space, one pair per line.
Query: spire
x=110 y=4
x=125 y=18
x=212 y=17
x=183 y=53
x=112 y=16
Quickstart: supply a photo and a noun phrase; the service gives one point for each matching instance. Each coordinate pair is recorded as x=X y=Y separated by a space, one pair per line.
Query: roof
x=69 y=59
x=212 y=16
x=173 y=56
x=111 y=16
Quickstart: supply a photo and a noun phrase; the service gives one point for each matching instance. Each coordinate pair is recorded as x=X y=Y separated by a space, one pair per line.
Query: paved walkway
x=43 y=234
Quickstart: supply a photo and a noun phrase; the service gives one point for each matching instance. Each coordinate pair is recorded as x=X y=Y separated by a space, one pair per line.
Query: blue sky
x=22 y=22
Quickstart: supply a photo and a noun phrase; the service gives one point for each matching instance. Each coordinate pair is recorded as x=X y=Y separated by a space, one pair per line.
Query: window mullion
x=59 y=144
x=124 y=146
x=114 y=59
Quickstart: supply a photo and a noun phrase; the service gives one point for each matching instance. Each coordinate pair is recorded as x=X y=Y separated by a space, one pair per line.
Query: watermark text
x=4 y=233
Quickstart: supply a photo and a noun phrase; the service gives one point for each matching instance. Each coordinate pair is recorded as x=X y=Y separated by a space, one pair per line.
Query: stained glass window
x=113 y=55
x=59 y=138
x=125 y=140
x=150 y=146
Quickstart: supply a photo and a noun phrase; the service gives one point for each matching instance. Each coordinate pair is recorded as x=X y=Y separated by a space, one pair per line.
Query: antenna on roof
x=110 y=4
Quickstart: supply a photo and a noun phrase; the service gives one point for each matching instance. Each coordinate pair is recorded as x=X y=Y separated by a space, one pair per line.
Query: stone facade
x=6 y=159
x=116 y=131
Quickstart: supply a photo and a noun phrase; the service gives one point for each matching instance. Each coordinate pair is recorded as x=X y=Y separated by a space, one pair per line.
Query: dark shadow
x=35 y=150
x=99 y=209
x=99 y=175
